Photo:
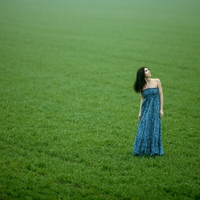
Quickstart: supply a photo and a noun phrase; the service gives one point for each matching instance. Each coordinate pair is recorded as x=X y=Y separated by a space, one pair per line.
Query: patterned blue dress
x=148 y=140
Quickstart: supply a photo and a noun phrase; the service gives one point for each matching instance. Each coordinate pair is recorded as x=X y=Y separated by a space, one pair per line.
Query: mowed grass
x=68 y=113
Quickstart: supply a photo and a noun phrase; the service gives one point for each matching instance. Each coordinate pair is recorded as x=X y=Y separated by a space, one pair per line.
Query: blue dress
x=148 y=140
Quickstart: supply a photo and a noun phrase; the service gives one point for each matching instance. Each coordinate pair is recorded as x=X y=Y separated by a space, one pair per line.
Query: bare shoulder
x=156 y=81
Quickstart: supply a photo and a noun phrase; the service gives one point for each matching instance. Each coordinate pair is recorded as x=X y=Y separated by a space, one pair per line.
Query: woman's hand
x=139 y=117
x=161 y=113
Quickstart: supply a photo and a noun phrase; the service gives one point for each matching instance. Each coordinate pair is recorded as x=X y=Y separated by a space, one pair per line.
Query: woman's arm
x=141 y=100
x=161 y=98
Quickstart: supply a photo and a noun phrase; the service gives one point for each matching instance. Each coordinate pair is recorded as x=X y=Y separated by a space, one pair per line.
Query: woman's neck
x=147 y=80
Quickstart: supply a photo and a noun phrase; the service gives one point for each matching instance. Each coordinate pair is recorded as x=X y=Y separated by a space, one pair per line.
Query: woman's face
x=147 y=73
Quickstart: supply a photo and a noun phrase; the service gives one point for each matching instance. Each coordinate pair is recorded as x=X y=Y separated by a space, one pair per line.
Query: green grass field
x=68 y=113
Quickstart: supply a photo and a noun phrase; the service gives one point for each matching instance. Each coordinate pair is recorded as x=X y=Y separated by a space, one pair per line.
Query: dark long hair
x=140 y=80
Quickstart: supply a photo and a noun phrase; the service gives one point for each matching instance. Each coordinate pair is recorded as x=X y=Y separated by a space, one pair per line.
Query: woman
x=148 y=140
